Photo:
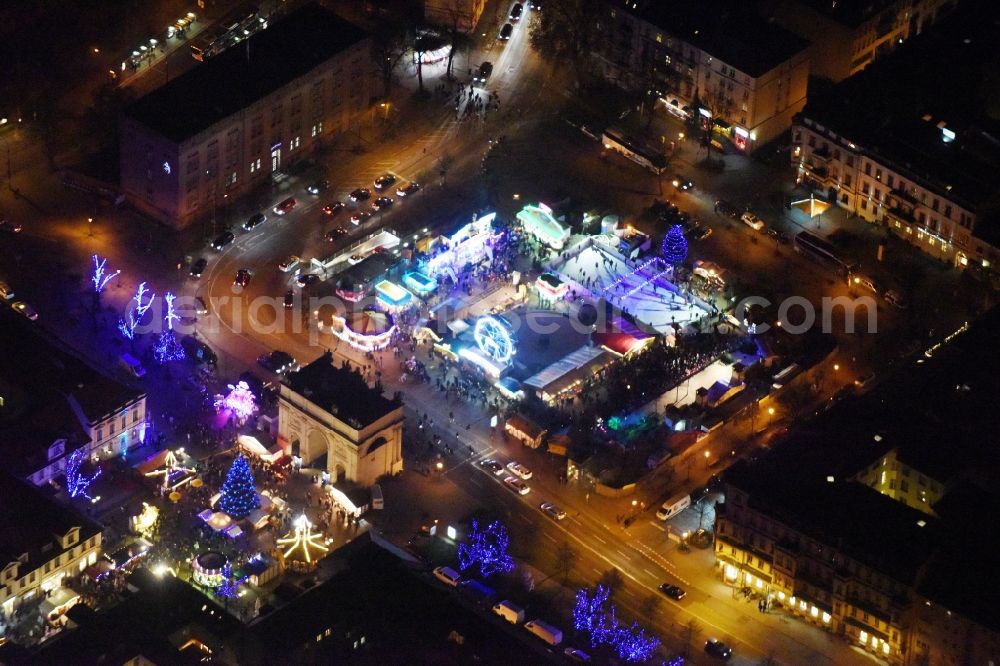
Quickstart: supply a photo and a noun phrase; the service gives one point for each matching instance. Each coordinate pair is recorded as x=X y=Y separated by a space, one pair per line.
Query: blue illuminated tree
x=675 y=247
x=239 y=496
x=100 y=276
x=594 y=615
x=487 y=548
x=136 y=312
x=230 y=587
x=167 y=348
x=77 y=483
x=634 y=644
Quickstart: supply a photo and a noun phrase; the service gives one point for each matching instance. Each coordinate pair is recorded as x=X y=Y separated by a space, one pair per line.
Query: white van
x=509 y=611
x=448 y=576
x=673 y=506
x=132 y=366
x=547 y=632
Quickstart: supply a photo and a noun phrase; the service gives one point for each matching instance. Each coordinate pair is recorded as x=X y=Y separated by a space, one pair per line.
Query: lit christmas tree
x=239 y=497
x=675 y=247
x=167 y=348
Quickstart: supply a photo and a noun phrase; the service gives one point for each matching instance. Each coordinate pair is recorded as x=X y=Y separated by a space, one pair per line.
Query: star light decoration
x=487 y=548
x=240 y=401
x=78 y=483
x=100 y=278
x=302 y=543
x=594 y=615
x=136 y=312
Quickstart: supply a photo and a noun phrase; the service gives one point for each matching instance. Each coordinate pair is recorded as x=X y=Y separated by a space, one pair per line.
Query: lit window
x=931 y=241
x=826 y=618
x=863 y=636
x=319 y=637
x=803 y=605
x=885 y=648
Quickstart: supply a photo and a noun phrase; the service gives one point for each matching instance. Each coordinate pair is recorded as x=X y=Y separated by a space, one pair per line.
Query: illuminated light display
x=304 y=547
x=168 y=349
x=420 y=283
x=539 y=222
x=229 y=588
x=144 y=522
x=594 y=615
x=240 y=401
x=487 y=549
x=675 y=247
x=171 y=315
x=239 y=497
x=368 y=330
x=551 y=285
x=208 y=568
x=174 y=474
x=100 y=277
x=469 y=245
x=77 y=483
x=393 y=297
x=493 y=338
x=130 y=322
x=474 y=357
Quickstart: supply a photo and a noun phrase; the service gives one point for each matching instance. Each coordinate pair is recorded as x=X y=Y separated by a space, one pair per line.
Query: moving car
x=492 y=465
x=25 y=309
x=278 y=362
x=683 y=183
x=198 y=350
x=332 y=209
x=673 y=591
x=553 y=511
x=361 y=194
x=200 y=306
x=384 y=181
x=727 y=209
x=222 y=240
x=289 y=299
x=242 y=278
x=355 y=259
x=506 y=30
x=6 y=293
x=895 y=298
x=254 y=221
x=718 y=649
x=381 y=203
x=10 y=227
x=334 y=234
x=483 y=72
x=778 y=235
x=516 y=11
x=700 y=233
x=360 y=217
x=288 y=263
x=752 y=221
x=517 y=485
x=306 y=279
x=198 y=267
x=864 y=282
x=407 y=190
x=285 y=206
x=520 y=470
x=318 y=186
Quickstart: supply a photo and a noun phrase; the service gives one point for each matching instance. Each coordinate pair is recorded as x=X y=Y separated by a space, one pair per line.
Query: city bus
x=207 y=44
x=811 y=245
x=616 y=140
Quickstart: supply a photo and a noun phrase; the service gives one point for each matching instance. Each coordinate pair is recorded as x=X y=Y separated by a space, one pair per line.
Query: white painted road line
x=649 y=572
x=601 y=540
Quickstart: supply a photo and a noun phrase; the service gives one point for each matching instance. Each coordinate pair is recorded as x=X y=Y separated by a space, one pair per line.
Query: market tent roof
x=538 y=220
x=570 y=369
x=811 y=206
x=369 y=322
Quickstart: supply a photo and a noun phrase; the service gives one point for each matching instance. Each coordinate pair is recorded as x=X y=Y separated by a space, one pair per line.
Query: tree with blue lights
x=594 y=615
x=77 y=483
x=229 y=589
x=136 y=312
x=675 y=247
x=167 y=348
x=239 y=496
x=100 y=276
x=487 y=548
x=634 y=644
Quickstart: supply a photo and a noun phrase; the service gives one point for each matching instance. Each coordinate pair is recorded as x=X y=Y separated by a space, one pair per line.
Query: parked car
x=577 y=655
x=778 y=235
x=506 y=31
x=318 y=186
x=25 y=309
x=701 y=232
x=360 y=217
x=752 y=221
x=254 y=221
x=288 y=263
x=483 y=73
x=332 y=209
x=198 y=267
x=278 y=362
x=222 y=240
x=198 y=350
x=492 y=466
x=11 y=227
x=552 y=511
x=335 y=234
x=407 y=190
x=727 y=209
x=306 y=279
x=6 y=293
x=286 y=206
x=381 y=203
x=384 y=181
x=896 y=299
x=448 y=576
x=673 y=591
x=520 y=470
x=517 y=485
x=361 y=194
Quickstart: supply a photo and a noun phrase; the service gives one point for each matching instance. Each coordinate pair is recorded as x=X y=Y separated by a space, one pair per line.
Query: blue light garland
x=76 y=483
x=486 y=548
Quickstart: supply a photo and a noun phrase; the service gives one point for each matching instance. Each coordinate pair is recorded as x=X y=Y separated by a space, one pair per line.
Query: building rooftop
x=32 y=521
x=364 y=273
x=850 y=13
x=243 y=74
x=896 y=108
x=755 y=48
x=43 y=383
x=341 y=391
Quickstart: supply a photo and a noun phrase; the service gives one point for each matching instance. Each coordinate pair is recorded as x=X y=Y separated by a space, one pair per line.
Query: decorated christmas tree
x=239 y=497
x=675 y=247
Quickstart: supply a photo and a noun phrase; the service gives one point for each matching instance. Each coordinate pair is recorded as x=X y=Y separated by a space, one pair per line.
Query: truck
x=509 y=611
x=673 y=506
x=547 y=632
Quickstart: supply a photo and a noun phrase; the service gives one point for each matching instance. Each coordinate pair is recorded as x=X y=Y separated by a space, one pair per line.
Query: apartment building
x=460 y=15
x=53 y=403
x=911 y=142
x=848 y=35
x=746 y=84
x=872 y=523
x=326 y=411
x=237 y=121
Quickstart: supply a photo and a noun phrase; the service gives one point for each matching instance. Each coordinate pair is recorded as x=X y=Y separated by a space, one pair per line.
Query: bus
x=616 y=140
x=208 y=44
x=821 y=250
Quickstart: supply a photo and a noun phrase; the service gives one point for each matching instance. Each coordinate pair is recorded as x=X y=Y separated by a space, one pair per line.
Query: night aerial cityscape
x=500 y=332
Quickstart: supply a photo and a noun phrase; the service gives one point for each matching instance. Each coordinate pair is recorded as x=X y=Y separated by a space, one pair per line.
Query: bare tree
x=689 y=635
x=567 y=32
x=566 y=558
x=649 y=605
x=612 y=579
x=389 y=47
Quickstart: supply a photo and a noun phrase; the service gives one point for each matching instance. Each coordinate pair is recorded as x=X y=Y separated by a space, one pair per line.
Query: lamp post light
x=90 y=227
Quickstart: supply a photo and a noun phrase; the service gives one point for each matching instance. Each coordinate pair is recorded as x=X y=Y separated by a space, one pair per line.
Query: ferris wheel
x=494 y=339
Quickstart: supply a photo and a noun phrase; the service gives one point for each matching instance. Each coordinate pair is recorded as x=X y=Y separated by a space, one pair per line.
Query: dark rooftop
x=365 y=271
x=851 y=13
x=755 y=47
x=243 y=74
x=32 y=520
x=893 y=108
x=40 y=380
x=341 y=391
